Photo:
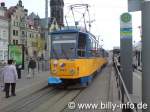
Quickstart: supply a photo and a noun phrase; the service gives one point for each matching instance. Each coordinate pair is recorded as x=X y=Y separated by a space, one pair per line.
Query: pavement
x=137 y=86
x=25 y=87
x=102 y=90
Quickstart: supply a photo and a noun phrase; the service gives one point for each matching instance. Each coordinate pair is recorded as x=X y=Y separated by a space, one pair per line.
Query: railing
x=41 y=66
x=124 y=96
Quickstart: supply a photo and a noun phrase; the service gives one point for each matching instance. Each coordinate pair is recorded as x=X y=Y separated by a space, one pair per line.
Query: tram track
x=59 y=102
x=38 y=101
x=23 y=104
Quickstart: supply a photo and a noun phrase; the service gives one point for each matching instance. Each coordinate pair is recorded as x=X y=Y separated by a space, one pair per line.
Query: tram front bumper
x=54 y=80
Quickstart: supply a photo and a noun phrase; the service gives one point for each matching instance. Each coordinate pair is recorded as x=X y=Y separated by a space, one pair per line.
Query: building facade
x=36 y=40
x=17 y=27
x=4 y=30
x=17 y=15
x=24 y=29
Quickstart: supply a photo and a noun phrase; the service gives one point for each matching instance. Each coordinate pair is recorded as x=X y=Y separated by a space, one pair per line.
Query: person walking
x=18 y=68
x=10 y=76
x=32 y=66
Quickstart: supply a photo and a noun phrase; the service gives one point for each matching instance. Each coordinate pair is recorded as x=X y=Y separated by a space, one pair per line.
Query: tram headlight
x=54 y=71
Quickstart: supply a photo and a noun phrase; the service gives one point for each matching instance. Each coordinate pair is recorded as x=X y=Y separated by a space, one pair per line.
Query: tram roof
x=67 y=31
x=77 y=30
x=71 y=31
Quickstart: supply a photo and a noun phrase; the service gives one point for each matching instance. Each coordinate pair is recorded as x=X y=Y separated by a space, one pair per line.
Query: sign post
x=126 y=49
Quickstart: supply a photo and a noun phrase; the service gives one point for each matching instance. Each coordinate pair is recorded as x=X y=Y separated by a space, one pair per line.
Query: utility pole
x=47 y=54
x=46 y=9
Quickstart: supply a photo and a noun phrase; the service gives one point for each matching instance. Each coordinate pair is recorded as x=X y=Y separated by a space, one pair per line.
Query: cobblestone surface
x=25 y=86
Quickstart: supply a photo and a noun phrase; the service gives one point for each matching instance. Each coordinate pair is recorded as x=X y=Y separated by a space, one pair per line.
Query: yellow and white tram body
x=75 y=56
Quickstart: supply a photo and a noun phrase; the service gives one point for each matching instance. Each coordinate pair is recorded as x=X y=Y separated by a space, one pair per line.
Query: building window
x=1 y=55
x=14 y=32
x=30 y=35
x=4 y=34
x=17 y=23
x=14 y=23
x=26 y=34
x=23 y=33
x=5 y=55
x=16 y=41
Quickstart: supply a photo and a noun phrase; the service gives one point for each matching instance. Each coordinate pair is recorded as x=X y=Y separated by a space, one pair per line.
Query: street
x=33 y=95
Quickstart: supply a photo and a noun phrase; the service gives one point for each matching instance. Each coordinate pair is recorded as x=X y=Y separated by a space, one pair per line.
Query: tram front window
x=63 y=48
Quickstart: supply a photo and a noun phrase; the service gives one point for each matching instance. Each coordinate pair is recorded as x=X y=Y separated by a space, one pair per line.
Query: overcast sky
x=106 y=14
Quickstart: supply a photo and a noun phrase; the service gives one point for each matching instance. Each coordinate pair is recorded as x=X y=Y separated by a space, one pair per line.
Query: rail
x=41 y=65
x=124 y=96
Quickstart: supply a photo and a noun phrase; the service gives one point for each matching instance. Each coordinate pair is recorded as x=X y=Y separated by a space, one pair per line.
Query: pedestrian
x=10 y=76
x=31 y=66
x=18 y=68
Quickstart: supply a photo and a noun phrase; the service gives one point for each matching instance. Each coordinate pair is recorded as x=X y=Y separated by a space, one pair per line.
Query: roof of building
x=33 y=16
x=10 y=11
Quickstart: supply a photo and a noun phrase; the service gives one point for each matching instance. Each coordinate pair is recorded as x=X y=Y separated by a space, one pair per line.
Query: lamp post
x=46 y=30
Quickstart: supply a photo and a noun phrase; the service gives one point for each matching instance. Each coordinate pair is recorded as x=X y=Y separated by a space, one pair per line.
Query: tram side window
x=93 y=48
x=81 y=45
x=90 y=47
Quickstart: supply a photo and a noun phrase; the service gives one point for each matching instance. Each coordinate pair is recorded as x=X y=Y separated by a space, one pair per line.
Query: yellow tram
x=75 y=57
